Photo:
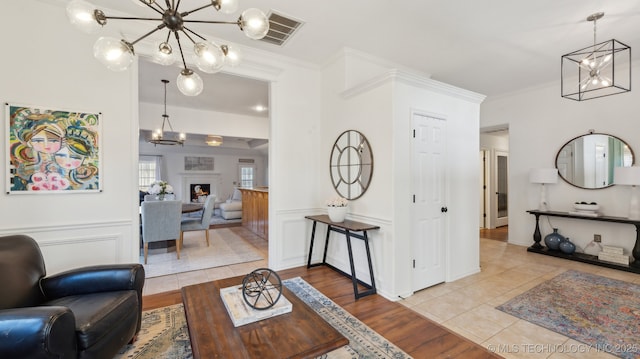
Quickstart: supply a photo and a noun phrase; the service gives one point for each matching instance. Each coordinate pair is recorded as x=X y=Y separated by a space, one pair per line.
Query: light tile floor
x=467 y=306
x=177 y=281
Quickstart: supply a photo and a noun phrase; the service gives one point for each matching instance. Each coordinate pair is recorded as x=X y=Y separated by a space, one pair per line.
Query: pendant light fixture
x=603 y=69
x=118 y=55
x=159 y=137
x=213 y=140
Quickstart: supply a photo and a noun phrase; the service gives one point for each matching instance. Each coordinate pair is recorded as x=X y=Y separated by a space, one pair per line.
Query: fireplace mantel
x=187 y=179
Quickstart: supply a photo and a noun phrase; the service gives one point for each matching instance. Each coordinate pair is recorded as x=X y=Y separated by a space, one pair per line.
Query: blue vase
x=553 y=240
x=567 y=246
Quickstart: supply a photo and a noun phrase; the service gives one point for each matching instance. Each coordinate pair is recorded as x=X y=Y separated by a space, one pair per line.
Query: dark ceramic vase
x=553 y=240
x=567 y=246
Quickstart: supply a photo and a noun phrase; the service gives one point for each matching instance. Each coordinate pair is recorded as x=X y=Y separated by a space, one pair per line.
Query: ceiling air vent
x=281 y=28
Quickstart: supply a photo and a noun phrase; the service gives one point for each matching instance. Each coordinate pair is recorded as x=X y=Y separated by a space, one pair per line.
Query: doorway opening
x=494 y=180
x=200 y=117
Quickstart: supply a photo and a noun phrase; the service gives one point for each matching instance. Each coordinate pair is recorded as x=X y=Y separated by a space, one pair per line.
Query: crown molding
x=413 y=80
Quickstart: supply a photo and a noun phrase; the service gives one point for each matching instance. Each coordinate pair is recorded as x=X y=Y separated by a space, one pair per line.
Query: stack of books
x=241 y=313
x=614 y=255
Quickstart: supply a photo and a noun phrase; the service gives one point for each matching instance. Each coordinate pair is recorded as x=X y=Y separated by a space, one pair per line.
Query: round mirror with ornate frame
x=351 y=164
x=588 y=161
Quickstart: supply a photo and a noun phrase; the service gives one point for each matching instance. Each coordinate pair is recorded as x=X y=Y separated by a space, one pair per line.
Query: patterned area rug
x=601 y=312
x=225 y=248
x=363 y=341
x=164 y=332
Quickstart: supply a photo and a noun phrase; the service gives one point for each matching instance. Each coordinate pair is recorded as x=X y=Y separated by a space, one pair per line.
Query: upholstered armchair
x=89 y=312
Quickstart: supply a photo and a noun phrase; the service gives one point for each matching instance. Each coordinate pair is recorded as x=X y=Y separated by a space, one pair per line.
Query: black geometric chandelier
x=600 y=70
x=118 y=55
x=158 y=137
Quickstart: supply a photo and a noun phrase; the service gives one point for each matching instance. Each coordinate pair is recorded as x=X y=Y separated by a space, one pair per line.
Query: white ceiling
x=222 y=92
x=487 y=46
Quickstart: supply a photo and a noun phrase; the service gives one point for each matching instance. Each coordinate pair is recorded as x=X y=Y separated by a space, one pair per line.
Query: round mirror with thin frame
x=588 y=161
x=351 y=164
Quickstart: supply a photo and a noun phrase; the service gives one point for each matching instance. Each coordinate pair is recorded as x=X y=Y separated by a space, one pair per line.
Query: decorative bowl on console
x=586 y=206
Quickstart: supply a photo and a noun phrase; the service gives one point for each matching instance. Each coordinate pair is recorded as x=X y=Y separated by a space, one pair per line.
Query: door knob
x=444 y=209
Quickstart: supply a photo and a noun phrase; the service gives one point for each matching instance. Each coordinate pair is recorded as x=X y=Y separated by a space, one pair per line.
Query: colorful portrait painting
x=52 y=150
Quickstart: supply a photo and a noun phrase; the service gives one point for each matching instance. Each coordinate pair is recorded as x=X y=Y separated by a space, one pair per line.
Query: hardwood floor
x=225 y=225
x=415 y=334
x=498 y=234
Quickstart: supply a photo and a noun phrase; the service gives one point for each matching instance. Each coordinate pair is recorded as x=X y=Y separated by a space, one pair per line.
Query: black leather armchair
x=90 y=312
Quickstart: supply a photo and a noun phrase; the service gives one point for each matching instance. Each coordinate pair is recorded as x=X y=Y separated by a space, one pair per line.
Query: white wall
x=204 y=122
x=295 y=162
x=365 y=94
x=46 y=62
x=540 y=123
x=52 y=65
x=369 y=111
x=460 y=108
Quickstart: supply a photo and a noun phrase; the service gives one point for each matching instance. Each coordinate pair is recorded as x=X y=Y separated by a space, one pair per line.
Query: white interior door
x=602 y=174
x=428 y=181
x=502 y=188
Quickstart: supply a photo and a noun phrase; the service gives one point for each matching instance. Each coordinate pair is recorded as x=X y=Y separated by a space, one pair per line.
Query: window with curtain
x=148 y=171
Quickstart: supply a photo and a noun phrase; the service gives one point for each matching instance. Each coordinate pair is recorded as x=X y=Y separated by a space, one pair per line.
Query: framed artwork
x=52 y=150
x=195 y=163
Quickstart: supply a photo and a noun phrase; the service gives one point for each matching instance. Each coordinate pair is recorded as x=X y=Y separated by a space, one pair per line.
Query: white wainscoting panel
x=63 y=254
x=293 y=250
x=71 y=246
x=379 y=245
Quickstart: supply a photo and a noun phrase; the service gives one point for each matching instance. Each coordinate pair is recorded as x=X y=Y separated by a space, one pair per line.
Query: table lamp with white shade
x=543 y=176
x=629 y=176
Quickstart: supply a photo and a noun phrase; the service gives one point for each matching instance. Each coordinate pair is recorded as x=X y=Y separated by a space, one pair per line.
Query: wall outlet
x=597 y=238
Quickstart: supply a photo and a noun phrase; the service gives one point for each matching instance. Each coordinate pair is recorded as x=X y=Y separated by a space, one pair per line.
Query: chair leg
x=146 y=251
x=206 y=231
x=179 y=243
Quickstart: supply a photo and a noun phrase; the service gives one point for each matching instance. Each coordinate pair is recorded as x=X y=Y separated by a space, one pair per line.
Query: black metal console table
x=347 y=228
x=582 y=257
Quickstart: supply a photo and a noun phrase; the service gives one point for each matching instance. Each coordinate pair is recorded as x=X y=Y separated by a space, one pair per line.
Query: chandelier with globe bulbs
x=118 y=55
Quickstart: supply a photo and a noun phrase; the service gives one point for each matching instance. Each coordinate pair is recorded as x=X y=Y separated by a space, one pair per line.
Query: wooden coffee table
x=299 y=334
